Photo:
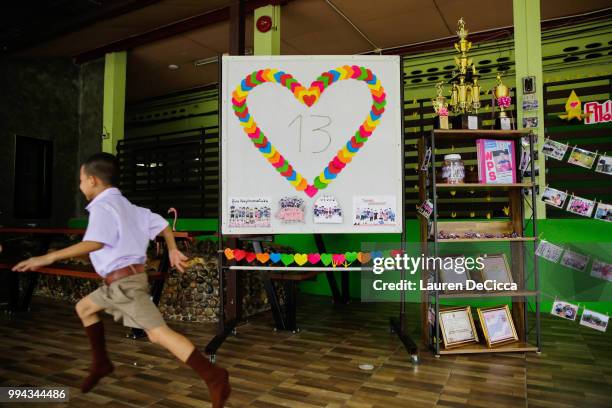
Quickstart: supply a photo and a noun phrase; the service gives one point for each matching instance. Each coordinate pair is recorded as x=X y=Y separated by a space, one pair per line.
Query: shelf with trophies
x=501 y=162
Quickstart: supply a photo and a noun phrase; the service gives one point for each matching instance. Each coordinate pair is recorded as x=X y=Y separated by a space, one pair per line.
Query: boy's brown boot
x=216 y=378
x=100 y=363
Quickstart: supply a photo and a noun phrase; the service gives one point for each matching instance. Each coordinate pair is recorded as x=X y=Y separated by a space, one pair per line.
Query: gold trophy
x=465 y=92
x=502 y=98
x=441 y=108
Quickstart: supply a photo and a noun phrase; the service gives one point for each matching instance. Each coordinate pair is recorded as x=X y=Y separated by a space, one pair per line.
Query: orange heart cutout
x=364 y=257
x=263 y=258
x=229 y=253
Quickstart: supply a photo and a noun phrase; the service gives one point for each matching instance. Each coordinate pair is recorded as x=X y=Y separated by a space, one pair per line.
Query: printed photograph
x=426 y=209
x=604 y=165
x=554 y=197
x=291 y=210
x=604 y=212
x=531 y=122
x=564 y=310
x=575 y=260
x=580 y=206
x=374 y=211
x=582 y=158
x=326 y=210
x=601 y=270
x=249 y=212
x=549 y=251
x=554 y=149
x=594 y=320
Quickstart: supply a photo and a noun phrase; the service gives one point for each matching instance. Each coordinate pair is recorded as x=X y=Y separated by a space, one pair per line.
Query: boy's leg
x=216 y=378
x=100 y=363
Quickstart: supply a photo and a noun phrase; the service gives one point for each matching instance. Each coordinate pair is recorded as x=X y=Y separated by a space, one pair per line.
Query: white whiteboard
x=308 y=139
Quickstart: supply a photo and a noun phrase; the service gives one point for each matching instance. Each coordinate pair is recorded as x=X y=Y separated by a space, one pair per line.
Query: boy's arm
x=177 y=259
x=82 y=248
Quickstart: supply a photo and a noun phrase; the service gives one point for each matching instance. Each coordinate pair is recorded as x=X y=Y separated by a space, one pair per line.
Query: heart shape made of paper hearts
x=229 y=253
x=239 y=254
x=287 y=259
x=314 y=258
x=338 y=259
x=364 y=257
x=350 y=256
x=263 y=257
x=275 y=257
x=326 y=259
x=250 y=257
x=309 y=97
x=300 y=259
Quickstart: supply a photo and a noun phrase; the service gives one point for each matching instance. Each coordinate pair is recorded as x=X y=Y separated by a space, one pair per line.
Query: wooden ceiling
x=307 y=27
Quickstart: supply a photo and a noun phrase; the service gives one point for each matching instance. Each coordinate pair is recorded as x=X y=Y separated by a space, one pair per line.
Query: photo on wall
x=554 y=149
x=603 y=212
x=549 y=251
x=601 y=270
x=326 y=210
x=374 y=211
x=594 y=320
x=249 y=212
x=581 y=206
x=575 y=260
x=582 y=158
x=564 y=310
x=554 y=197
x=604 y=165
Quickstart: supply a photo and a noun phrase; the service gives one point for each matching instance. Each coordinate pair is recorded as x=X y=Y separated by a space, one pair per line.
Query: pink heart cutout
x=314 y=258
x=338 y=259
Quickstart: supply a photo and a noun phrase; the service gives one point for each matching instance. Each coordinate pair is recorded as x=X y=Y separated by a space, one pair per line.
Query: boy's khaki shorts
x=129 y=299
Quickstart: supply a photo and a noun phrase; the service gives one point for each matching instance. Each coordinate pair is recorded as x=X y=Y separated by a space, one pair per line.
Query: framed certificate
x=496 y=268
x=457 y=326
x=497 y=325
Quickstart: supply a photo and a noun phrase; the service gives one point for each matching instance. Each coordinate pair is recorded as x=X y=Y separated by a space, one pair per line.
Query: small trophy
x=441 y=107
x=502 y=96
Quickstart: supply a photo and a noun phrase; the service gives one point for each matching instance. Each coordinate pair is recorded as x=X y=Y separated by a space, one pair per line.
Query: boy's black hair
x=104 y=166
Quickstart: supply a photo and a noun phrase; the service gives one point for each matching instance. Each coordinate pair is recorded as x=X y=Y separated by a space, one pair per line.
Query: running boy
x=116 y=240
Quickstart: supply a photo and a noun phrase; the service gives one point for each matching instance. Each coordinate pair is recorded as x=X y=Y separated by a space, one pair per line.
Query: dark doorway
x=33 y=165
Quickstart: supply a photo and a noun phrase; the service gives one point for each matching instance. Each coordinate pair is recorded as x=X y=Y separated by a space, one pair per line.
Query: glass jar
x=453 y=171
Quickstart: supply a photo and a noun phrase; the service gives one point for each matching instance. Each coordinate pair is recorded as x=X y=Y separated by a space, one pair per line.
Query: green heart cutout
x=287 y=259
x=350 y=256
x=326 y=259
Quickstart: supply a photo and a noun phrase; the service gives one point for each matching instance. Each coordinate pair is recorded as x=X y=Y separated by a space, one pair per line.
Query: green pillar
x=267 y=43
x=528 y=60
x=113 y=119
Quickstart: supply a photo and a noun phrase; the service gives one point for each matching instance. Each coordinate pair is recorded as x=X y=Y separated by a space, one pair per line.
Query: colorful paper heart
x=275 y=257
x=287 y=259
x=250 y=257
x=229 y=253
x=338 y=259
x=309 y=97
x=363 y=257
x=239 y=254
x=314 y=258
x=326 y=259
x=376 y=254
x=350 y=256
x=300 y=259
x=395 y=252
x=263 y=257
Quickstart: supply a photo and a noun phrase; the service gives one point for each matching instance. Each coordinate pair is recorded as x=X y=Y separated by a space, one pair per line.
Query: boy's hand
x=33 y=263
x=177 y=259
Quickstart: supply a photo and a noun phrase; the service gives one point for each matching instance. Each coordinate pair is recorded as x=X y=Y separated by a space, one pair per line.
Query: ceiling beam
x=172 y=29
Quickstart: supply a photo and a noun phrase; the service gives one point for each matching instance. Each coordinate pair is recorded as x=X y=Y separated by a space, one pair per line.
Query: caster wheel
x=275 y=330
x=437 y=356
x=234 y=332
x=212 y=358
x=414 y=359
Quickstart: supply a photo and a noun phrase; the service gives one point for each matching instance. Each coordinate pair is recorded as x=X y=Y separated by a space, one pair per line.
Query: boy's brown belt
x=123 y=273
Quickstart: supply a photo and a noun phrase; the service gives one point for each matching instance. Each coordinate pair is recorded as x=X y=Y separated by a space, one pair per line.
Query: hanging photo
x=530 y=122
x=604 y=165
x=554 y=197
x=565 y=310
x=601 y=270
x=525 y=160
x=426 y=159
x=426 y=209
x=604 y=212
x=594 y=320
x=249 y=212
x=582 y=158
x=549 y=251
x=580 y=206
x=553 y=149
x=291 y=210
x=574 y=260
x=326 y=210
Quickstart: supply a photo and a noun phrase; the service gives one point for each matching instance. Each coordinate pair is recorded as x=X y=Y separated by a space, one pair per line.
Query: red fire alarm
x=264 y=24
